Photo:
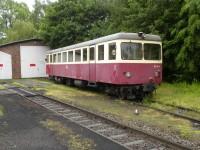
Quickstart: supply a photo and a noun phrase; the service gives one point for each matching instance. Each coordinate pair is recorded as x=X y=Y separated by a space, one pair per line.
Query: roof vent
x=141 y=34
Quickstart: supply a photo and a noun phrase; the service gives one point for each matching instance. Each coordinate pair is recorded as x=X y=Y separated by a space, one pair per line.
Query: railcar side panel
x=110 y=72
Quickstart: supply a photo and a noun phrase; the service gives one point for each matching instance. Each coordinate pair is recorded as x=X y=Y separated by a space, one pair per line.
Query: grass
x=2 y=87
x=67 y=137
x=1 y=111
x=17 y=84
x=124 y=110
x=178 y=94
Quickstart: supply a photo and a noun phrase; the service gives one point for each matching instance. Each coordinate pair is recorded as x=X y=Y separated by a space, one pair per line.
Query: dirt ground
x=27 y=126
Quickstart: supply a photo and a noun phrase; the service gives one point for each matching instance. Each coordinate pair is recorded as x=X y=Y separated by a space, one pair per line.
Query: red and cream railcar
x=127 y=64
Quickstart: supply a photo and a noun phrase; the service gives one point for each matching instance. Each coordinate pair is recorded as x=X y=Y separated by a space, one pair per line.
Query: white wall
x=30 y=56
x=5 y=66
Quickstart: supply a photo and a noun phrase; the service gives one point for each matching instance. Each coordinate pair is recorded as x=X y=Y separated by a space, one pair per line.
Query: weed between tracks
x=67 y=137
x=1 y=111
x=118 y=109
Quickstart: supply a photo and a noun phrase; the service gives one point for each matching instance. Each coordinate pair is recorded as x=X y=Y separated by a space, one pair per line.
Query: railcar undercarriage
x=136 y=92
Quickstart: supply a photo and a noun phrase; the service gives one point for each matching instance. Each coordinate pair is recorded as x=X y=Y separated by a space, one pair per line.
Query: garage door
x=33 y=61
x=5 y=66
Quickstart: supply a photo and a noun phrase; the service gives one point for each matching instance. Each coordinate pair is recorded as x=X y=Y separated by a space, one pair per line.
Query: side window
x=64 y=56
x=112 y=51
x=51 y=58
x=92 y=53
x=85 y=54
x=101 y=52
x=54 y=58
x=70 y=56
x=47 y=59
x=78 y=55
x=59 y=57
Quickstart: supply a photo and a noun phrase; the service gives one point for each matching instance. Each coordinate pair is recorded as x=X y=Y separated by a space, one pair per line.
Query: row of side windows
x=68 y=56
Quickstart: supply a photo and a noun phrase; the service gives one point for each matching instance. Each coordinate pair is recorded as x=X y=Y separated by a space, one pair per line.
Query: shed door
x=92 y=64
x=5 y=66
x=33 y=61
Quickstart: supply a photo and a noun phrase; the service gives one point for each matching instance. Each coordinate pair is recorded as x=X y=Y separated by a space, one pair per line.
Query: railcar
x=125 y=64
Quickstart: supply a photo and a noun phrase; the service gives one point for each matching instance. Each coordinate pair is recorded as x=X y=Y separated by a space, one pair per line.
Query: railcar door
x=92 y=64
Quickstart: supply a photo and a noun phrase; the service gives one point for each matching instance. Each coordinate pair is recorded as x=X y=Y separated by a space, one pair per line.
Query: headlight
x=157 y=74
x=128 y=74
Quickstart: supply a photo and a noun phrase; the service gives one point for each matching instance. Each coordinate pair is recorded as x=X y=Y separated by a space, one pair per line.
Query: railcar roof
x=116 y=36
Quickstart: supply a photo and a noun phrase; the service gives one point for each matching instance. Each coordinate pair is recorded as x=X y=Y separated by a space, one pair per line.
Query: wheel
x=123 y=93
x=69 y=82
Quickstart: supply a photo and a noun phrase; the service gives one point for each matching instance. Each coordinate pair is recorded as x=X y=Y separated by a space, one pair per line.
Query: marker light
x=128 y=74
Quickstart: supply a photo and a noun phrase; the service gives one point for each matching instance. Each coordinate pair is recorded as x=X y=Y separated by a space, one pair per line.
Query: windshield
x=152 y=51
x=131 y=51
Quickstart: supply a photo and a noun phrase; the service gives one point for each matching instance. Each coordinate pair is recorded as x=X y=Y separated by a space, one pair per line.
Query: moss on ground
x=1 y=111
x=67 y=137
x=124 y=110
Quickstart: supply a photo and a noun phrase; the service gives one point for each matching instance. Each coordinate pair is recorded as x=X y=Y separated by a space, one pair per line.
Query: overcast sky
x=30 y=3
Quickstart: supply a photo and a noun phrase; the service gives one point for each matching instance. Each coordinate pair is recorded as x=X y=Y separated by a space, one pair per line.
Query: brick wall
x=14 y=51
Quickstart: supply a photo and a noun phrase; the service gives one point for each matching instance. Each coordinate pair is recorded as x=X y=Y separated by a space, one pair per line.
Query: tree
x=21 y=30
x=15 y=21
x=38 y=13
x=186 y=41
x=68 y=22
x=11 y=11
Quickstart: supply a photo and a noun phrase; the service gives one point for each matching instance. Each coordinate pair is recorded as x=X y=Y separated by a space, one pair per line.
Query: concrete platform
x=21 y=128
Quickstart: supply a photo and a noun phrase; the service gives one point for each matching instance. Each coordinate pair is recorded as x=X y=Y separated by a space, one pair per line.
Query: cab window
x=152 y=51
x=131 y=51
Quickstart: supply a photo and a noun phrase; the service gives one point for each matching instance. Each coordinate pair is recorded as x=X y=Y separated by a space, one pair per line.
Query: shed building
x=23 y=59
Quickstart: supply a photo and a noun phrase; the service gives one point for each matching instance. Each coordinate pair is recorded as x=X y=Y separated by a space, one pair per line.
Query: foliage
x=186 y=40
x=21 y=30
x=17 y=22
x=11 y=11
x=69 y=22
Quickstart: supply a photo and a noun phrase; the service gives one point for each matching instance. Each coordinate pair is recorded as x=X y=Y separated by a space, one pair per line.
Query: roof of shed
x=116 y=36
x=21 y=41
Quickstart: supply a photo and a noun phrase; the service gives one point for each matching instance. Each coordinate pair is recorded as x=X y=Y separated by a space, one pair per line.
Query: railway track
x=123 y=135
x=194 y=121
